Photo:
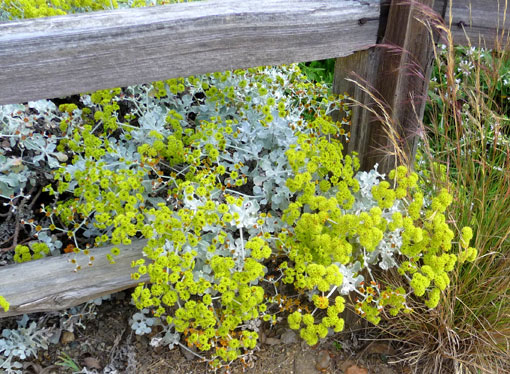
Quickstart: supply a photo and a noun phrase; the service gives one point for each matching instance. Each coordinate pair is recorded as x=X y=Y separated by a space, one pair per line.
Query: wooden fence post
x=395 y=73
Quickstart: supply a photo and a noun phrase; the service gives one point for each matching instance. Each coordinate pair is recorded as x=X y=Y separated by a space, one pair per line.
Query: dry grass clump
x=465 y=146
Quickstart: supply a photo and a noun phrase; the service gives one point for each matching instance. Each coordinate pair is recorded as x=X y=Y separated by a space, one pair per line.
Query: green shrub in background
x=322 y=71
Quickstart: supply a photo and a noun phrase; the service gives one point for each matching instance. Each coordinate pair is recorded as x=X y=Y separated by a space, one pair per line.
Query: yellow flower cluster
x=22 y=252
x=4 y=304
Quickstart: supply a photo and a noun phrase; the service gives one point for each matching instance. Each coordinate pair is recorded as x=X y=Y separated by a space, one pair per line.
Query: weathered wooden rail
x=479 y=22
x=52 y=284
x=60 y=56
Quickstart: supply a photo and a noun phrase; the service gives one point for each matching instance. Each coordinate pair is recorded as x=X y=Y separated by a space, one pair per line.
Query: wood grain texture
x=51 y=283
x=397 y=74
x=483 y=22
x=406 y=56
x=60 y=56
x=360 y=67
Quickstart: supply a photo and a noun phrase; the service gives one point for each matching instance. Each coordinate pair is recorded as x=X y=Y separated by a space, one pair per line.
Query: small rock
x=380 y=348
x=323 y=360
x=346 y=364
x=355 y=369
x=289 y=337
x=273 y=341
x=67 y=337
x=92 y=363
x=304 y=363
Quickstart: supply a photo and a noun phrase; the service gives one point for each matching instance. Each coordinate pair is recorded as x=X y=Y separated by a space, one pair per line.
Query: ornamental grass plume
x=465 y=147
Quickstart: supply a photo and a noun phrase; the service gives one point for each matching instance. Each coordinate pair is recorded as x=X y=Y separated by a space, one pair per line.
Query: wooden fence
x=61 y=56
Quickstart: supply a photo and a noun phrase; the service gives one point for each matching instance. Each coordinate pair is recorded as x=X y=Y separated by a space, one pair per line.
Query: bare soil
x=102 y=341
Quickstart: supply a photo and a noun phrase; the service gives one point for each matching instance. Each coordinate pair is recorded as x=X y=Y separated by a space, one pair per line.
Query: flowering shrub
x=239 y=184
x=238 y=195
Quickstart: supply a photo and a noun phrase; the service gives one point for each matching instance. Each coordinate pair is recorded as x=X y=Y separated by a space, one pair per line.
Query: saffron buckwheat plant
x=239 y=184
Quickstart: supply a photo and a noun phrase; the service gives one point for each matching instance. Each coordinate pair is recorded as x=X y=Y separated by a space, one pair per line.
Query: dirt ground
x=102 y=341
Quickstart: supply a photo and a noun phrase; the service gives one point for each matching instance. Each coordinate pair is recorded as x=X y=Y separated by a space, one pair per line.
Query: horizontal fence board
x=51 y=283
x=480 y=21
x=60 y=56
